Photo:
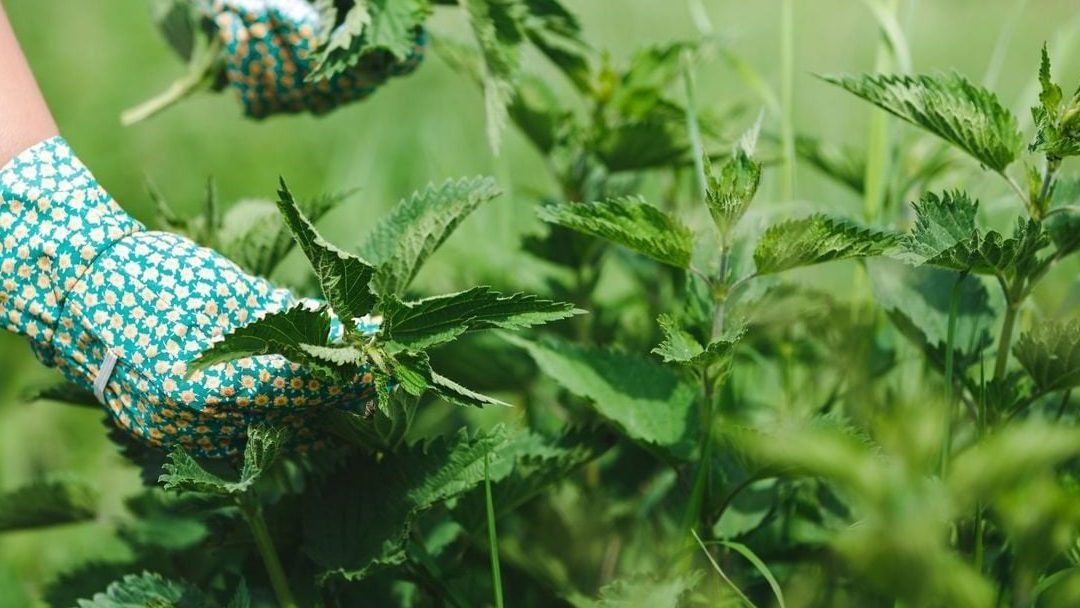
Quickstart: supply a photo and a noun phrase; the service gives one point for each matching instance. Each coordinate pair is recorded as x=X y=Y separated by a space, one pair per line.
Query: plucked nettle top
x=122 y=310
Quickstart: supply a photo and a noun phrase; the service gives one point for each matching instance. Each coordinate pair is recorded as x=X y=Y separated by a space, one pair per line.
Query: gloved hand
x=121 y=311
x=268 y=54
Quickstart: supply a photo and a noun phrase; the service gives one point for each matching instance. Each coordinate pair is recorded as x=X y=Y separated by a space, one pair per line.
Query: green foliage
x=48 y=502
x=281 y=333
x=630 y=222
x=680 y=346
x=183 y=473
x=645 y=401
x=963 y=114
x=644 y=591
x=498 y=30
x=945 y=235
x=147 y=590
x=817 y=239
x=344 y=277
x=1050 y=353
x=432 y=321
x=365 y=27
x=730 y=191
x=401 y=242
x=1057 y=124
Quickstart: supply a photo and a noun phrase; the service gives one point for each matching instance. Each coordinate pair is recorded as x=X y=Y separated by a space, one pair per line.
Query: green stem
x=265 y=544
x=692 y=127
x=199 y=76
x=493 y=537
x=950 y=341
x=1005 y=341
x=787 y=96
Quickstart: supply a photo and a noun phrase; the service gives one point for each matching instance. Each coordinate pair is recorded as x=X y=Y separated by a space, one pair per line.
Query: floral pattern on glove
x=268 y=54
x=82 y=279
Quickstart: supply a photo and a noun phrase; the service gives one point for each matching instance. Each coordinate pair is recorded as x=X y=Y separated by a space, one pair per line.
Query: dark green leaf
x=280 y=333
x=732 y=188
x=817 y=239
x=630 y=222
x=148 y=590
x=48 y=502
x=182 y=473
x=645 y=400
x=950 y=107
x=344 y=277
x=1050 y=353
x=498 y=28
x=440 y=319
x=679 y=346
x=417 y=226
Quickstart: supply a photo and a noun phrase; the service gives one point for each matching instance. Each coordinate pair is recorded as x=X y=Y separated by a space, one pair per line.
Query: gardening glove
x=268 y=54
x=122 y=311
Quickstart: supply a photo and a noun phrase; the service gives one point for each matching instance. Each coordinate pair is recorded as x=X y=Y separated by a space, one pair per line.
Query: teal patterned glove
x=122 y=311
x=268 y=54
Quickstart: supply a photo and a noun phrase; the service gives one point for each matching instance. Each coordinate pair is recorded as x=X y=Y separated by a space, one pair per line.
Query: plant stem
x=197 y=77
x=692 y=127
x=787 y=96
x=950 y=341
x=493 y=537
x=253 y=515
x=1005 y=340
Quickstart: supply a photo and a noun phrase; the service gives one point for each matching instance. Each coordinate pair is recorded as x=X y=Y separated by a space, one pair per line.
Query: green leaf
x=917 y=300
x=817 y=239
x=679 y=346
x=414 y=374
x=556 y=33
x=178 y=22
x=1057 y=127
x=148 y=590
x=48 y=502
x=409 y=482
x=339 y=362
x=254 y=236
x=643 y=590
x=948 y=106
x=630 y=222
x=242 y=597
x=440 y=319
x=342 y=38
x=344 y=277
x=417 y=226
x=730 y=191
x=498 y=28
x=394 y=23
x=280 y=333
x=642 y=143
x=648 y=402
x=945 y=235
x=182 y=473
x=1050 y=353
x=841 y=164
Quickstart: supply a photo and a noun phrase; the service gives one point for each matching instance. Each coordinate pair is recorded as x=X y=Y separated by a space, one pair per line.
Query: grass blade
x=493 y=537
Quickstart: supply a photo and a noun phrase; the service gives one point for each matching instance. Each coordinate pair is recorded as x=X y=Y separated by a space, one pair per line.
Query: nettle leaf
x=644 y=590
x=1050 y=353
x=630 y=222
x=817 y=239
x=527 y=465
x=1064 y=225
x=731 y=190
x=346 y=359
x=417 y=226
x=254 y=236
x=178 y=22
x=680 y=346
x=48 y=502
x=845 y=165
x=948 y=106
x=498 y=28
x=648 y=402
x=409 y=482
x=636 y=144
x=182 y=473
x=341 y=40
x=1057 y=125
x=148 y=590
x=414 y=374
x=918 y=300
x=425 y=323
x=556 y=32
x=344 y=277
x=280 y=333
x=945 y=235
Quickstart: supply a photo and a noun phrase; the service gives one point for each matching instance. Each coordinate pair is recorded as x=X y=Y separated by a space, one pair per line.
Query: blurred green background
x=94 y=59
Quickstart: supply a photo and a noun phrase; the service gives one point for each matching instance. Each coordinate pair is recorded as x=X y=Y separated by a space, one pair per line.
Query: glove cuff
x=55 y=220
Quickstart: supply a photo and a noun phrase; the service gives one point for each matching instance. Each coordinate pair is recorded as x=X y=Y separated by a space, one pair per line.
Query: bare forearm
x=24 y=117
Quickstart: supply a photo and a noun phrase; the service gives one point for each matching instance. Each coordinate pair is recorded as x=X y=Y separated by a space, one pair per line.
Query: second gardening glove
x=122 y=311
x=269 y=48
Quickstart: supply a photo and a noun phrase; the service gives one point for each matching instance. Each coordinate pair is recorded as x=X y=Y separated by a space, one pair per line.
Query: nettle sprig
x=360 y=289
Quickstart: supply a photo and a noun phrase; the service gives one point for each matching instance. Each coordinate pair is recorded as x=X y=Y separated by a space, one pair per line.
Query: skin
x=24 y=116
